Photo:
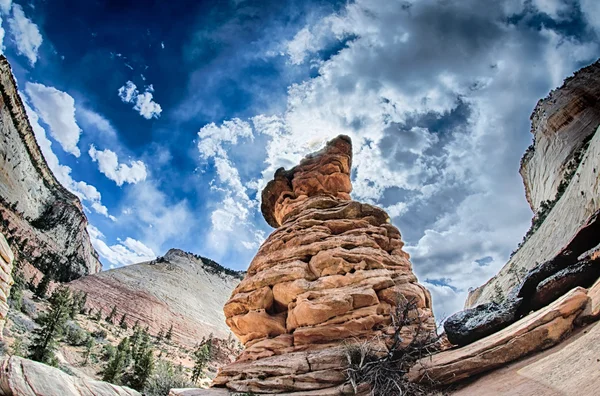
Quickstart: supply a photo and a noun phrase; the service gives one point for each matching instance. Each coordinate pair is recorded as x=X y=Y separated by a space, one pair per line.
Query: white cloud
x=5 y=6
x=143 y=102
x=553 y=8
x=26 y=34
x=97 y=121
x=591 y=12
x=438 y=129
x=129 y=251
x=108 y=164
x=57 y=109
x=86 y=192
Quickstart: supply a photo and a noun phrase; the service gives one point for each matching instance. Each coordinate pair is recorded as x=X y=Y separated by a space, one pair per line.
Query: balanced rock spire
x=331 y=273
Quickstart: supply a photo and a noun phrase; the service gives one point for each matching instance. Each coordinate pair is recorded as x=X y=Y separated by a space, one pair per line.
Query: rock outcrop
x=560 y=124
x=331 y=273
x=24 y=377
x=537 y=331
x=566 y=151
x=43 y=221
x=6 y=280
x=179 y=289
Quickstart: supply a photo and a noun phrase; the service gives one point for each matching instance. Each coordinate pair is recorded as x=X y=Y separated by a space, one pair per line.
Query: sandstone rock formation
x=561 y=123
x=6 y=280
x=43 y=221
x=539 y=330
x=24 y=377
x=565 y=128
x=332 y=272
x=180 y=288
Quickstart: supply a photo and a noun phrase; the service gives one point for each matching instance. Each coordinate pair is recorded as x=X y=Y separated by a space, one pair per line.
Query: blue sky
x=167 y=118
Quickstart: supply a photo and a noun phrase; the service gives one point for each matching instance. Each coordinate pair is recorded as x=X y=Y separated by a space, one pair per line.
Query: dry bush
x=384 y=368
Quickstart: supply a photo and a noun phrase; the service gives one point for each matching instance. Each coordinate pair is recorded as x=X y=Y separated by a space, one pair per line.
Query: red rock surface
x=331 y=273
x=6 y=280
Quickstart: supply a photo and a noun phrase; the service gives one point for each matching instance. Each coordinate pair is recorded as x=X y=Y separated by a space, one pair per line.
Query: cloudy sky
x=167 y=118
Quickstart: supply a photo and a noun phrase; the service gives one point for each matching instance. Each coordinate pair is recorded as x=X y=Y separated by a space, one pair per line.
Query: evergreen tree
x=51 y=327
x=123 y=323
x=116 y=366
x=169 y=334
x=42 y=287
x=111 y=316
x=83 y=302
x=98 y=315
x=201 y=359
x=161 y=334
x=89 y=346
x=16 y=292
x=143 y=362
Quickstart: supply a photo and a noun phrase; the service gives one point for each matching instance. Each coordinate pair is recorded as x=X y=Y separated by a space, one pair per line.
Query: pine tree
x=116 y=366
x=161 y=334
x=51 y=327
x=42 y=287
x=82 y=303
x=98 y=315
x=123 y=323
x=89 y=346
x=169 y=334
x=143 y=363
x=111 y=316
x=201 y=359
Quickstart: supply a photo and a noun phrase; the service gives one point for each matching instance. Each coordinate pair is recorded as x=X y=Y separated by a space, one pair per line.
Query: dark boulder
x=475 y=323
x=583 y=273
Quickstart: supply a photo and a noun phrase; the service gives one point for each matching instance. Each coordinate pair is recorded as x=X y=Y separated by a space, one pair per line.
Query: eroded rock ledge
x=331 y=273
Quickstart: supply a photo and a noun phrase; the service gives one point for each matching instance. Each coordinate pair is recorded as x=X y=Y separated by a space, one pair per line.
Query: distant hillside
x=43 y=222
x=179 y=288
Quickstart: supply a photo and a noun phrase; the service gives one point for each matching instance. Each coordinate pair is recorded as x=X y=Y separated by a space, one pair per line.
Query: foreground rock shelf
x=24 y=377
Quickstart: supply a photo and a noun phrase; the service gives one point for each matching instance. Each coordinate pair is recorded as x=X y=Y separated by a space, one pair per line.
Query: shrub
x=99 y=334
x=74 y=334
x=164 y=378
x=28 y=307
x=383 y=371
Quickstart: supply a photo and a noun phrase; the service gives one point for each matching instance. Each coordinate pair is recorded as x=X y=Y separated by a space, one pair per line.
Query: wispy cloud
x=143 y=101
x=25 y=33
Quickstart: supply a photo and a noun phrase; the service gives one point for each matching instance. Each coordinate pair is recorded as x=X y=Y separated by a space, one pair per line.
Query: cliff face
x=560 y=124
x=44 y=222
x=179 y=289
x=566 y=144
x=332 y=273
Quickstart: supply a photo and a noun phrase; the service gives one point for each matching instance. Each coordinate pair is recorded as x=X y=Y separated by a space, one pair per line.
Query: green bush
x=74 y=334
x=164 y=378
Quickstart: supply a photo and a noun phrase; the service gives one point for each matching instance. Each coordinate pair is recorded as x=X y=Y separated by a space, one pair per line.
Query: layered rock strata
x=331 y=273
x=566 y=151
x=178 y=289
x=43 y=221
x=6 y=280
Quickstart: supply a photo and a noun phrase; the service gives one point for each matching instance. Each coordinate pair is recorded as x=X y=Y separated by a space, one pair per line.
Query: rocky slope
x=566 y=150
x=332 y=273
x=44 y=222
x=180 y=288
x=6 y=280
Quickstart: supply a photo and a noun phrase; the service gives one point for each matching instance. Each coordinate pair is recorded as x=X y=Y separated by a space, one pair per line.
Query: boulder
x=537 y=331
x=472 y=324
x=24 y=377
x=331 y=273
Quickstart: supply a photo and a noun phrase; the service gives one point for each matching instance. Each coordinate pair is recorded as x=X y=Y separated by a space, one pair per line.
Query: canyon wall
x=43 y=221
x=178 y=289
x=6 y=280
x=331 y=274
x=566 y=150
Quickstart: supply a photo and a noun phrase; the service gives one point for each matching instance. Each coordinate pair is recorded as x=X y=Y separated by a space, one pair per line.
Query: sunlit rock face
x=331 y=273
x=43 y=221
x=6 y=280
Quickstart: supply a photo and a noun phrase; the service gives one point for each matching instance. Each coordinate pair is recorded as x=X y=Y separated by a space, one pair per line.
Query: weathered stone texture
x=537 y=331
x=331 y=272
x=6 y=280
x=43 y=220
x=24 y=377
